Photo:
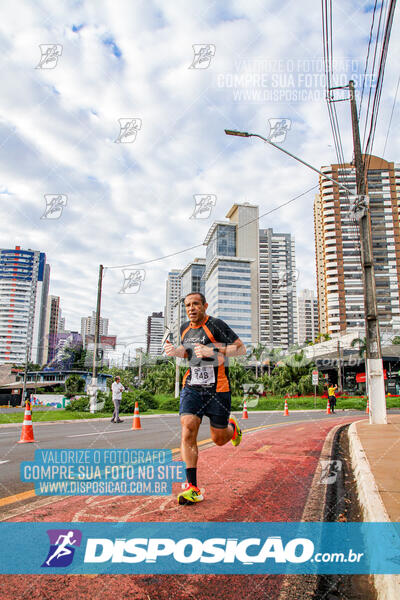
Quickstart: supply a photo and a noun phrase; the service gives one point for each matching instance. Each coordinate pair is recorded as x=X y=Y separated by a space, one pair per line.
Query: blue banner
x=214 y=548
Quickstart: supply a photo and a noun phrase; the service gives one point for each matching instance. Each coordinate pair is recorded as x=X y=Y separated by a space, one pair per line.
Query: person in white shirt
x=117 y=388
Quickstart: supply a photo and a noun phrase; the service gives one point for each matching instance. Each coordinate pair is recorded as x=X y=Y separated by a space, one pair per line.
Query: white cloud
x=130 y=203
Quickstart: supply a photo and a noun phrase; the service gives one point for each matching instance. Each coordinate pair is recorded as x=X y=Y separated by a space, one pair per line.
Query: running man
x=62 y=549
x=207 y=343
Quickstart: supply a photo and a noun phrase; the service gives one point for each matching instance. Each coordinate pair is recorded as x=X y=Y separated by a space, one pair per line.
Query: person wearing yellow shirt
x=332 y=389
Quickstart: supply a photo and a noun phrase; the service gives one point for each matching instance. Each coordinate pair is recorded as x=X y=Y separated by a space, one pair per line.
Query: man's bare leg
x=190 y=427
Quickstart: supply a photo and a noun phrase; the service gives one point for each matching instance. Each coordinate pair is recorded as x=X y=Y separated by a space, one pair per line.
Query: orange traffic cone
x=367 y=409
x=136 y=418
x=245 y=415
x=27 y=429
x=328 y=408
x=286 y=411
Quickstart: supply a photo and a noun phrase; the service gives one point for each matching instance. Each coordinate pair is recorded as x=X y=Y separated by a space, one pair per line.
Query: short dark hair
x=202 y=296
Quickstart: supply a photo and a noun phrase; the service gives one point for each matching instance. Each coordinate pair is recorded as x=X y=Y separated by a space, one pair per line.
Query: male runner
x=208 y=343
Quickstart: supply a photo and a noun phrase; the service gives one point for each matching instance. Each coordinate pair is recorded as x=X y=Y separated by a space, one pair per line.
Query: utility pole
x=374 y=364
x=93 y=395
x=140 y=367
x=177 y=359
x=25 y=373
x=339 y=370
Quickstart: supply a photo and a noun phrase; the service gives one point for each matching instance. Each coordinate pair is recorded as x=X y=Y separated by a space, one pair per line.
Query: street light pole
x=93 y=395
x=374 y=365
x=303 y=162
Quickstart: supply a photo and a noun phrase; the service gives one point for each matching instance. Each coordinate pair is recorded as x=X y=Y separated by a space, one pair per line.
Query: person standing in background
x=117 y=388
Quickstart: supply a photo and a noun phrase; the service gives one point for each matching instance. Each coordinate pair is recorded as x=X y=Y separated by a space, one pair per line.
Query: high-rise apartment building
x=88 y=326
x=191 y=277
x=231 y=275
x=339 y=274
x=24 y=285
x=278 y=301
x=172 y=294
x=307 y=316
x=51 y=328
x=155 y=332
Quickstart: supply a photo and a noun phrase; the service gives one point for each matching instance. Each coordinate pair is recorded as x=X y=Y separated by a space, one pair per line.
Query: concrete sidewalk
x=381 y=447
x=375 y=455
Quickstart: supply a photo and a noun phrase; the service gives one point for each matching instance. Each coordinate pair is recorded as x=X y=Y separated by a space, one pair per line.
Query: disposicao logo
x=190 y=550
x=61 y=551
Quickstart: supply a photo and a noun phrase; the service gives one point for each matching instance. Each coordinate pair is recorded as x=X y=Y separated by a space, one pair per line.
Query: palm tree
x=257 y=352
x=362 y=345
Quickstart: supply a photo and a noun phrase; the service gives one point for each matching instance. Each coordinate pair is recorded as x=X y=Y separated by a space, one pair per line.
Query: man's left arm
x=237 y=348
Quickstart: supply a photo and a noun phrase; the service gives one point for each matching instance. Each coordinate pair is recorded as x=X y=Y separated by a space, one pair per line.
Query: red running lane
x=267 y=478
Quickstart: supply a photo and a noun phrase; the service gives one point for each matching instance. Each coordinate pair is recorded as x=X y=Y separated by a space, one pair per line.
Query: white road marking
x=98 y=433
x=3 y=461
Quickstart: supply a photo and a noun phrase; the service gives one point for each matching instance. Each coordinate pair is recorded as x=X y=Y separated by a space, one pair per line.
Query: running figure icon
x=62 y=549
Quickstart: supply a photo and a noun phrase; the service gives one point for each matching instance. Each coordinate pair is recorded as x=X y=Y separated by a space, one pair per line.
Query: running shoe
x=237 y=436
x=190 y=495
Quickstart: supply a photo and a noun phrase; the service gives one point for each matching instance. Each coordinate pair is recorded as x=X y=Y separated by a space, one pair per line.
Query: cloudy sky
x=177 y=73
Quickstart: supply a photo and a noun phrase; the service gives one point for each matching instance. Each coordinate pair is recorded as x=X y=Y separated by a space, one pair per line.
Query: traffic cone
x=328 y=408
x=27 y=429
x=286 y=411
x=367 y=409
x=136 y=418
x=245 y=415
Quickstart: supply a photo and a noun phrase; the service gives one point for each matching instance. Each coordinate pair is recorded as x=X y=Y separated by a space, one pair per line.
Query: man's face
x=117 y=379
x=195 y=309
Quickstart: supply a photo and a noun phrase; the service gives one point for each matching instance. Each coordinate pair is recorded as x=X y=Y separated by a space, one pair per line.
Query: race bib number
x=202 y=375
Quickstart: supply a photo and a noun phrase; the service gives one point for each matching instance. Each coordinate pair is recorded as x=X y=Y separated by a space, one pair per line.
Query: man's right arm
x=170 y=350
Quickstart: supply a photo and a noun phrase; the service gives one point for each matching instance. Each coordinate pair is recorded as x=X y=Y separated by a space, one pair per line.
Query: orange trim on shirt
x=185 y=377
x=201 y=325
x=222 y=380
x=184 y=333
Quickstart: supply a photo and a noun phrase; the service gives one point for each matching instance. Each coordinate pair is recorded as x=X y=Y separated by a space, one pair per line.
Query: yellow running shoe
x=237 y=436
x=190 y=495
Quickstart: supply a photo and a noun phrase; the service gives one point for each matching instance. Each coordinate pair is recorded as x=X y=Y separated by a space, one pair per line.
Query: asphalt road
x=268 y=478
x=158 y=431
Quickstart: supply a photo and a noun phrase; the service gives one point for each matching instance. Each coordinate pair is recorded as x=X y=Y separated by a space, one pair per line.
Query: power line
x=379 y=85
x=200 y=245
x=391 y=116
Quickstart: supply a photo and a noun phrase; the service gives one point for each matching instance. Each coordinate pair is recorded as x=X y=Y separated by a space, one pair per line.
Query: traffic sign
x=315 y=377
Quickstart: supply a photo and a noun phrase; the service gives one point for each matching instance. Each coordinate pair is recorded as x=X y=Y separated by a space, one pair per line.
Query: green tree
x=74 y=384
x=396 y=340
x=362 y=345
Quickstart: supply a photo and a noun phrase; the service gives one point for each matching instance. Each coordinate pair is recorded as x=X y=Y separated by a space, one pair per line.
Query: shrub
x=79 y=404
x=108 y=403
x=169 y=404
x=146 y=398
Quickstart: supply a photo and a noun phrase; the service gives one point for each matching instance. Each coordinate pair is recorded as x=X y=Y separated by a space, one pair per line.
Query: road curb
x=387 y=586
x=304 y=587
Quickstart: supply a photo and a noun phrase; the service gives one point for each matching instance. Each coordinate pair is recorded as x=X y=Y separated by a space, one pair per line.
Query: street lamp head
x=238 y=133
